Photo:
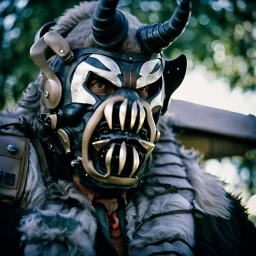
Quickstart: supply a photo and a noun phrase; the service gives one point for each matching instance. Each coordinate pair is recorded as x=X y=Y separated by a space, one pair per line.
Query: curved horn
x=109 y=25
x=42 y=50
x=156 y=37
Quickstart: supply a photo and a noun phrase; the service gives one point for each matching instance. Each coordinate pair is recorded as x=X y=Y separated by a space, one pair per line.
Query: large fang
x=148 y=146
x=108 y=159
x=158 y=134
x=108 y=112
x=150 y=120
x=136 y=161
x=134 y=114
x=122 y=157
x=142 y=116
x=100 y=144
x=122 y=113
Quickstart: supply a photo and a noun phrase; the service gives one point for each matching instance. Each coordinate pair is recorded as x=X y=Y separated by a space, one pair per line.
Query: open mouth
x=117 y=140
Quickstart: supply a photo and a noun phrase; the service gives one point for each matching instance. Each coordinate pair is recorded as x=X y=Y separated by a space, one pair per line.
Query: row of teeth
x=137 y=111
x=122 y=159
x=148 y=147
x=108 y=112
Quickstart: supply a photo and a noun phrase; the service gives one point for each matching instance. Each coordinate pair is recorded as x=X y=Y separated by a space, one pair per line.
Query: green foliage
x=19 y=22
x=220 y=35
x=246 y=167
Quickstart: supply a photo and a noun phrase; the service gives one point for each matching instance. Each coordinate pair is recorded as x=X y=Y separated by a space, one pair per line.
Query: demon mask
x=103 y=102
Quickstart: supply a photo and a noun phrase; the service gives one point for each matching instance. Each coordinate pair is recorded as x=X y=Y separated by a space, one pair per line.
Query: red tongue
x=114 y=228
x=113 y=221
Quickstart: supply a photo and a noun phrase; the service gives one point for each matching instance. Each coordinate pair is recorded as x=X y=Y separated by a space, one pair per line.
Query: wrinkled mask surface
x=103 y=102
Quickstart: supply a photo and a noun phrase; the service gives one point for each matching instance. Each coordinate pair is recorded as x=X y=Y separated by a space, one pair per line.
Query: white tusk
x=108 y=112
x=122 y=113
x=98 y=145
x=134 y=114
x=108 y=159
x=148 y=146
x=136 y=161
x=142 y=116
x=122 y=157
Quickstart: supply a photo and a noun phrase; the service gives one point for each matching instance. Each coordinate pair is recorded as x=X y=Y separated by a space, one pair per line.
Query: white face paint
x=112 y=74
x=157 y=101
x=146 y=75
x=112 y=70
x=78 y=93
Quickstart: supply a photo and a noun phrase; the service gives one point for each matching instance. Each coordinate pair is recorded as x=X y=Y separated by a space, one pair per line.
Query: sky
x=201 y=87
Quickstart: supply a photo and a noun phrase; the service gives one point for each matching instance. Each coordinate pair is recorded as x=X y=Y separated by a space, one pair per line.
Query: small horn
x=109 y=25
x=42 y=50
x=156 y=37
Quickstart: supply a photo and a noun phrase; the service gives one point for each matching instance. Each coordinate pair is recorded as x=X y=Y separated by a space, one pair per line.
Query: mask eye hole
x=150 y=90
x=144 y=91
x=100 y=86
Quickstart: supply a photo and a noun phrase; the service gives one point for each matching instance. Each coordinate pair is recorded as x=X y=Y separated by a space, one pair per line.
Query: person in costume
x=89 y=162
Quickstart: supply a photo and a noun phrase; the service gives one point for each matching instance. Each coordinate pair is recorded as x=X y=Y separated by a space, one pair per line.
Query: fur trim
x=54 y=235
x=35 y=190
x=63 y=217
x=160 y=233
x=29 y=107
x=208 y=191
x=174 y=181
x=170 y=167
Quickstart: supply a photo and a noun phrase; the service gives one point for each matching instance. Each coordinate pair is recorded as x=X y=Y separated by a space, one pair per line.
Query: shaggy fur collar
x=159 y=217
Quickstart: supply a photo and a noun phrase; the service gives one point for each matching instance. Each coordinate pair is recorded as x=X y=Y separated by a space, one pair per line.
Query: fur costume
x=177 y=209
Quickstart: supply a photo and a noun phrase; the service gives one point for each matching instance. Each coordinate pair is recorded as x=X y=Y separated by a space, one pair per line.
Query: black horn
x=109 y=25
x=156 y=37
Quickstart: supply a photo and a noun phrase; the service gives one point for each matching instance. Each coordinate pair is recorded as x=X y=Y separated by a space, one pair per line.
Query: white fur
x=201 y=189
x=160 y=228
x=48 y=200
x=209 y=194
x=35 y=190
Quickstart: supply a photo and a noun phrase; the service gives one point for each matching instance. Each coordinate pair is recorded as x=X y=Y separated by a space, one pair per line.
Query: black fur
x=9 y=235
x=217 y=236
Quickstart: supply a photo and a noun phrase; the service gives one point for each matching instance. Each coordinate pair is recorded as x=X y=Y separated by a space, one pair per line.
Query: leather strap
x=14 y=157
x=41 y=156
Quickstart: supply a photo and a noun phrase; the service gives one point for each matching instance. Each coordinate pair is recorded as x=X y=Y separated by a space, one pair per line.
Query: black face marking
x=97 y=63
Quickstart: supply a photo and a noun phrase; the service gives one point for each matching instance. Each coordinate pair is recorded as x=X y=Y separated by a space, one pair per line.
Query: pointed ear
x=174 y=73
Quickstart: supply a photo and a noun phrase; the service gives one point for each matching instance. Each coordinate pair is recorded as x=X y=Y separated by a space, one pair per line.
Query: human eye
x=144 y=91
x=150 y=90
x=97 y=85
x=100 y=86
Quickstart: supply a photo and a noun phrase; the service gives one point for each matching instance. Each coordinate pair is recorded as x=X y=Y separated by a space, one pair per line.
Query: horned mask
x=103 y=101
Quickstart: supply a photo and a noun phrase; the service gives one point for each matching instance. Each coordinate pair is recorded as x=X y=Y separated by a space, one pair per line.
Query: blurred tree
x=221 y=35
x=246 y=167
x=19 y=22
